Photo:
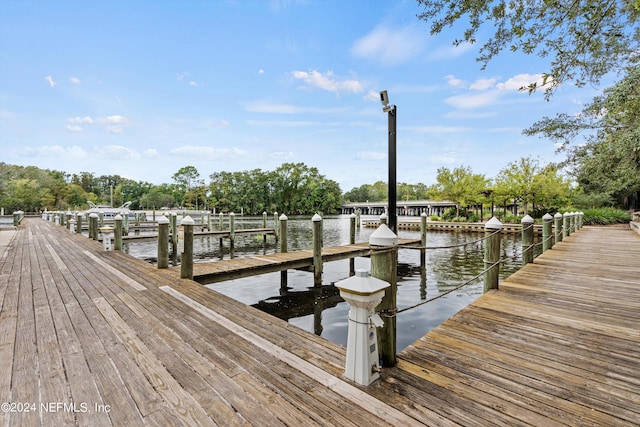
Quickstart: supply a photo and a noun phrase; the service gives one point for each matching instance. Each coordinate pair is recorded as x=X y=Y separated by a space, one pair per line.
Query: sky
x=142 y=88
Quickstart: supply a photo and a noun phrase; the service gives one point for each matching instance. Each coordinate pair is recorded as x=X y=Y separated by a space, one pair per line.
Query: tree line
x=294 y=188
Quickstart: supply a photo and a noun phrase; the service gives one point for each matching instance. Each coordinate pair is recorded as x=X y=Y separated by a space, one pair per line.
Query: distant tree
x=459 y=185
x=584 y=39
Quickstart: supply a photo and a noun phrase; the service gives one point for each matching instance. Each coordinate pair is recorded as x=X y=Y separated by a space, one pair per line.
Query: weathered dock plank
x=557 y=345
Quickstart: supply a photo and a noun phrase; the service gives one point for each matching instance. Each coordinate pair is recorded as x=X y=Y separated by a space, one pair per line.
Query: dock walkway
x=96 y=338
x=218 y=271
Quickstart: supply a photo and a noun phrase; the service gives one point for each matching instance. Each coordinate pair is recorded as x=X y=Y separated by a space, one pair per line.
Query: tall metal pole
x=393 y=221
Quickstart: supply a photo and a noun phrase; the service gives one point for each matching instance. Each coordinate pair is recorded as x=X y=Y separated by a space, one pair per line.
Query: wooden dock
x=94 y=338
x=236 y=268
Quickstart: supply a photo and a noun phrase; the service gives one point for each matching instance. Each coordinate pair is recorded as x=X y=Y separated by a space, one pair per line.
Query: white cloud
x=437 y=129
x=117 y=152
x=50 y=80
x=192 y=83
x=151 y=153
x=260 y=71
x=75 y=80
x=390 y=46
x=269 y=108
x=182 y=75
x=473 y=101
x=54 y=151
x=454 y=82
x=80 y=120
x=114 y=120
x=283 y=123
x=328 y=81
x=521 y=80
x=73 y=128
x=371 y=155
x=208 y=153
x=482 y=84
x=282 y=155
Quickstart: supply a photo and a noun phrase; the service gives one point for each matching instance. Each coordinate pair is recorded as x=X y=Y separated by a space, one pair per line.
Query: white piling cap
x=316 y=218
x=232 y=214
x=93 y=215
x=383 y=236
x=566 y=214
x=283 y=217
x=362 y=284
x=527 y=220
x=493 y=224
x=118 y=217
x=163 y=220
x=352 y=215
x=558 y=215
x=187 y=220
x=384 y=216
x=547 y=216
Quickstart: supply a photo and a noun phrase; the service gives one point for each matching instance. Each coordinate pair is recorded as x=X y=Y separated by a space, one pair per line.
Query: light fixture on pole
x=391 y=110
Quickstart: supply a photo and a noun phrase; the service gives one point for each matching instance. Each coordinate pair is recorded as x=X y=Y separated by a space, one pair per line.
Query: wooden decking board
x=557 y=345
x=517 y=339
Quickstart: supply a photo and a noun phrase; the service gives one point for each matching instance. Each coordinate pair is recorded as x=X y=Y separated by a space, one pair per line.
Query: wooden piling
x=565 y=225
x=384 y=266
x=283 y=248
x=352 y=241
x=264 y=225
x=423 y=239
x=317 y=250
x=173 y=223
x=557 y=225
x=547 y=221
x=186 y=261
x=79 y=223
x=232 y=231
x=93 y=226
x=492 y=254
x=527 y=239
x=163 y=242
x=118 y=233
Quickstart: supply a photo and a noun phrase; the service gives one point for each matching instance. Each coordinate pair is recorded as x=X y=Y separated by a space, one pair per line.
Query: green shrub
x=605 y=216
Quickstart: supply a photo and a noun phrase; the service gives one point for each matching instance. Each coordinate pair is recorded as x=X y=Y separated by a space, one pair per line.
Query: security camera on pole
x=391 y=110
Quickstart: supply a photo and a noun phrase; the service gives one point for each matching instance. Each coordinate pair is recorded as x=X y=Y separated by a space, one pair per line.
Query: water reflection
x=321 y=310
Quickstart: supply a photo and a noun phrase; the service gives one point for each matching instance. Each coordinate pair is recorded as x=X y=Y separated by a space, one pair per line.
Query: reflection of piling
x=423 y=240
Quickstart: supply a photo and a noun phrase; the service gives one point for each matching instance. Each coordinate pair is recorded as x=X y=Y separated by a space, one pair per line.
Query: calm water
x=322 y=311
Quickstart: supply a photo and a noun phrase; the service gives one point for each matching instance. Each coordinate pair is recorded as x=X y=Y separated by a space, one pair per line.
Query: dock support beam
x=492 y=253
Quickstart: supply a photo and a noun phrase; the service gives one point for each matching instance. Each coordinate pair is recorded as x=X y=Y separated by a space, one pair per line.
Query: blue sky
x=142 y=88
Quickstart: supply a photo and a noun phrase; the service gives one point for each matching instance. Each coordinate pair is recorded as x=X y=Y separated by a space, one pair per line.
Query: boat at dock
x=109 y=212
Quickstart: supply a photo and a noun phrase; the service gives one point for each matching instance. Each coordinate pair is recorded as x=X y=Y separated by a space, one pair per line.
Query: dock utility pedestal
x=363 y=293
